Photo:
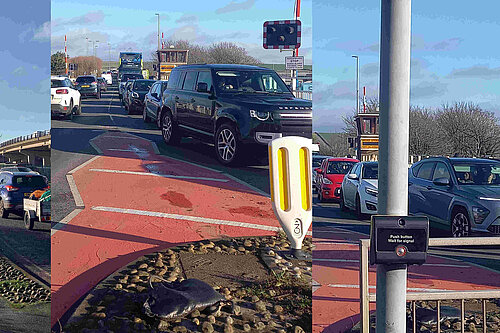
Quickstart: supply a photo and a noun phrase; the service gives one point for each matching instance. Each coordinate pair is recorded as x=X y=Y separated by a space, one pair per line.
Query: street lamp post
x=158 y=52
x=357 y=83
x=87 y=46
x=109 y=61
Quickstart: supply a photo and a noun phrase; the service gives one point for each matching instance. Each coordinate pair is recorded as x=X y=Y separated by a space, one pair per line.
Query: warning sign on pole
x=294 y=62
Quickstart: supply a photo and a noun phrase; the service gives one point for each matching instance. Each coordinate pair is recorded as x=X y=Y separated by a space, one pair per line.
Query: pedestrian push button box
x=399 y=240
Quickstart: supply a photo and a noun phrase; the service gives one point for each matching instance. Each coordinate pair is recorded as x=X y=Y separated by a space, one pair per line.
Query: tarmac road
x=136 y=195
x=329 y=214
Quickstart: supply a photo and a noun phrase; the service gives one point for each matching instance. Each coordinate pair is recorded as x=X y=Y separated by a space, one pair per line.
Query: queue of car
x=459 y=195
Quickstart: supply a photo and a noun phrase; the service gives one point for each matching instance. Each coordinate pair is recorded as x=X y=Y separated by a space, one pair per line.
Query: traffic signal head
x=282 y=34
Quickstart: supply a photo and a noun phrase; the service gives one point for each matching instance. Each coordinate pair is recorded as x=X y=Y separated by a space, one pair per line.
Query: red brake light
x=61 y=91
x=94 y=82
x=11 y=188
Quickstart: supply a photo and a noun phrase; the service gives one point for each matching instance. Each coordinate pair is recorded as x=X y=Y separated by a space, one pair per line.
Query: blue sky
x=25 y=70
x=455 y=55
x=132 y=24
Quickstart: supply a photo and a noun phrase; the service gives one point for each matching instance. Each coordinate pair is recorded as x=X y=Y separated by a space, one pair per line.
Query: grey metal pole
x=357 y=83
x=394 y=95
x=158 y=30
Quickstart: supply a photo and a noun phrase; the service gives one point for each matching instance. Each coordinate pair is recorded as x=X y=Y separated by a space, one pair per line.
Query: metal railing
x=37 y=134
x=366 y=297
x=303 y=94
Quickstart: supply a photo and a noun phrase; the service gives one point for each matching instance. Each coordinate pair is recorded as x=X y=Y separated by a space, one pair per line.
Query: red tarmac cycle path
x=137 y=202
x=336 y=273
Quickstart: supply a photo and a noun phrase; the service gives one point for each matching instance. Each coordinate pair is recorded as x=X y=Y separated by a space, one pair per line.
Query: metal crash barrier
x=366 y=297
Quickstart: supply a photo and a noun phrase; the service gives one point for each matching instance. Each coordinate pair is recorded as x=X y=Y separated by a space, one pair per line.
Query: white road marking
x=83 y=164
x=186 y=218
x=315 y=286
x=128 y=150
x=120 y=137
x=74 y=190
x=357 y=261
x=356 y=286
x=157 y=175
x=60 y=225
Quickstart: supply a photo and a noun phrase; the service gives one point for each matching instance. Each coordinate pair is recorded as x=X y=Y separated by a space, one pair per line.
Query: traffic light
x=282 y=34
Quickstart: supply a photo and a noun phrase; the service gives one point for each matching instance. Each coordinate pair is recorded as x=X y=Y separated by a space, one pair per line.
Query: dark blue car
x=15 y=186
x=461 y=195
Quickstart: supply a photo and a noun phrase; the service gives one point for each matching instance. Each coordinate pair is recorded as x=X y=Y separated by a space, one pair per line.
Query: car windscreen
x=29 y=181
x=339 y=167
x=317 y=161
x=249 y=81
x=474 y=173
x=85 y=79
x=142 y=85
x=370 y=171
x=58 y=83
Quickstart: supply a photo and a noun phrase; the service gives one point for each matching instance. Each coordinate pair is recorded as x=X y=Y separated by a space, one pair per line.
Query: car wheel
x=145 y=117
x=3 y=212
x=79 y=109
x=460 y=225
x=29 y=223
x=227 y=146
x=342 y=205
x=169 y=131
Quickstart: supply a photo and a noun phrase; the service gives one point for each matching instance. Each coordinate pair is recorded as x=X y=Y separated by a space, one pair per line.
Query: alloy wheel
x=226 y=144
x=166 y=129
x=460 y=225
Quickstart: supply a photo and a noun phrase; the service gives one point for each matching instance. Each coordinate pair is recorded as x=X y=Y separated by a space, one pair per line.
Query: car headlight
x=371 y=191
x=261 y=115
x=327 y=181
x=489 y=199
x=135 y=95
x=479 y=214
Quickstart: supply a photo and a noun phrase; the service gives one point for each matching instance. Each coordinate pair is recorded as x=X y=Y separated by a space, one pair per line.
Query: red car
x=330 y=176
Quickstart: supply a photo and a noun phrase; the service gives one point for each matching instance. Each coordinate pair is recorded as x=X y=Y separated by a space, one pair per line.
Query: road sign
x=370 y=143
x=294 y=62
x=284 y=34
x=73 y=67
x=291 y=191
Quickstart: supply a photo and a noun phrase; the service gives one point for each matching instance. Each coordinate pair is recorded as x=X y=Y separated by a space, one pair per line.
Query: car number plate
x=85 y=86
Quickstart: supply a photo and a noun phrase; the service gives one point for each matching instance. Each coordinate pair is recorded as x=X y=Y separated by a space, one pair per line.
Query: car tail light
x=61 y=91
x=11 y=188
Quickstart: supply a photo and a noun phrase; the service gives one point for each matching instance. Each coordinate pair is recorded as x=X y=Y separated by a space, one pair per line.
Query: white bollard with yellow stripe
x=291 y=190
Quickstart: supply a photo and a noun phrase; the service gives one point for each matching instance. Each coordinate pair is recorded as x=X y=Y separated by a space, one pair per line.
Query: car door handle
x=193 y=100
x=176 y=98
x=410 y=183
x=429 y=187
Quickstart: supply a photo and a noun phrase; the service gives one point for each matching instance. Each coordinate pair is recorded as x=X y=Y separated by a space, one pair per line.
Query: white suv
x=64 y=98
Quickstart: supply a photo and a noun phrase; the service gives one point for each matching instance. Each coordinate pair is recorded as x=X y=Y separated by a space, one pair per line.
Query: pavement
x=32 y=318
x=336 y=274
x=130 y=200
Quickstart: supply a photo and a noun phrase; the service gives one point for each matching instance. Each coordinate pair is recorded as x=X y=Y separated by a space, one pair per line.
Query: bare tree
x=217 y=53
x=87 y=65
x=470 y=130
x=426 y=135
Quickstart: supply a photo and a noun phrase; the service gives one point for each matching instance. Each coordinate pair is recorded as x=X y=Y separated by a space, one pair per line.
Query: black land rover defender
x=232 y=106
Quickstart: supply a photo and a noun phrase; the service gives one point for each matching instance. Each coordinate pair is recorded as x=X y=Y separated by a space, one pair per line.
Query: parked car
x=461 y=195
x=153 y=103
x=135 y=96
x=15 y=186
x=102 y=83
x=123 y=80
x=87 y=85
x=231 y=106
x=64 y=97
x=359 y=189
x=316 y=163
x=331 y=175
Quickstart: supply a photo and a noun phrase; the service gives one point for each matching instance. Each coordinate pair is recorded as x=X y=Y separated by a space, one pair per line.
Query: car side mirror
x=353 y=176
x=202 y=87
x=443 y=181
